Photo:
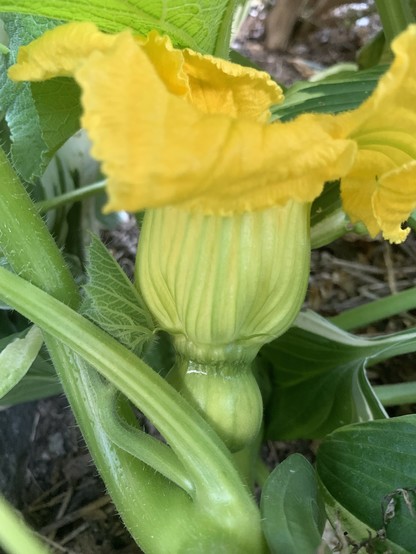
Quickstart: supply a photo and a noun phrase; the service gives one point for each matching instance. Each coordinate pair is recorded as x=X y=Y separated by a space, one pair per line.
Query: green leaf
x=319 y=381
x=328 y=220
x=113 y=303
x=15 y=536
x=292 y=510
x=39 y=382
x=368 y=474
x=16 y=358
x=332 y=95
x=195 y=24
x=29 y=150
x=370 y=54
x=58 y=107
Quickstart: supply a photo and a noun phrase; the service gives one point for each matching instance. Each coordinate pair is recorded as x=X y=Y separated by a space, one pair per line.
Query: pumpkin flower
x=224 y=251
x=174 y=127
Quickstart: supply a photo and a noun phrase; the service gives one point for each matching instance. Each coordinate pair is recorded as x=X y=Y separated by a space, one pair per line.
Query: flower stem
x=224 y=505
x=69 y=197
x=395 y=16
x=33 y=254
x=376 y=311
x=160 y=515
x=396 y=394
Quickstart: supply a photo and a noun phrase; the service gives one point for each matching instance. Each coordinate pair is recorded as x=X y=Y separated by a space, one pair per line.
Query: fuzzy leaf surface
x=195 y=23
x=112 y=301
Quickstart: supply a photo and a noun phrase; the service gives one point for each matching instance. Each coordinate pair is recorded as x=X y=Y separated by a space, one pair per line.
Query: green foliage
x=39 y=382
x=40 y=116
x=195 y=24
x=15 y=535
x=113 y=303
x=29 y=150
x=368 y=475
x=16 y=357
x=292 y=509
x=319 y=381
x=334 y=94
x=58 y=107
x=372 y=52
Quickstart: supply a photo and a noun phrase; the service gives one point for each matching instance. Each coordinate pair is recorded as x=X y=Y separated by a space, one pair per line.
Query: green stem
x=170 y=414
x=143 y=497
x=395 y=16
x=396 y=394
x=139 y=444
x=26 y=241
x=31 y=251
x=223 y=500
x=222 y=44
x=156 y=512
x=376 y=311
x=374 y=350
x=73 y=196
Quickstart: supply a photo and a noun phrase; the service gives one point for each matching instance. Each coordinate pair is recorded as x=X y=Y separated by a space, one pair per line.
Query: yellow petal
x=158 y=149
x=219 y=86
x=168 y=62
x=394 y=200
x=358 y=187
x=59 y=52
x=384 y=128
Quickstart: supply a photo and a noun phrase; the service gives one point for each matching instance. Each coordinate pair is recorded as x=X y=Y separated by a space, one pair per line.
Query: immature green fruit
x=224 y=391
x=223 y=286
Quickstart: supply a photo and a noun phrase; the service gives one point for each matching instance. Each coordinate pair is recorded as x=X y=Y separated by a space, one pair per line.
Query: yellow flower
x=176 y=127
x=380 y=188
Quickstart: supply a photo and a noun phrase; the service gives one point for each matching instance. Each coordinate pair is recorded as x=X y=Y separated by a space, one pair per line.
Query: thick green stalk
x=157 y=513
x=223 y=507
x=376 y=310
x=395 y=16
x=26 y=241
x=31 y=251
x=143 y=498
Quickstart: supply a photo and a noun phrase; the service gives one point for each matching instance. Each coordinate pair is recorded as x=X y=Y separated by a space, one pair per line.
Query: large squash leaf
x=319 y=381
x=368 y=476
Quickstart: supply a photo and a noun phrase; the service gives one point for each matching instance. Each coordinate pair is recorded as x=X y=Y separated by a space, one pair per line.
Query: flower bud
x=223 y=286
